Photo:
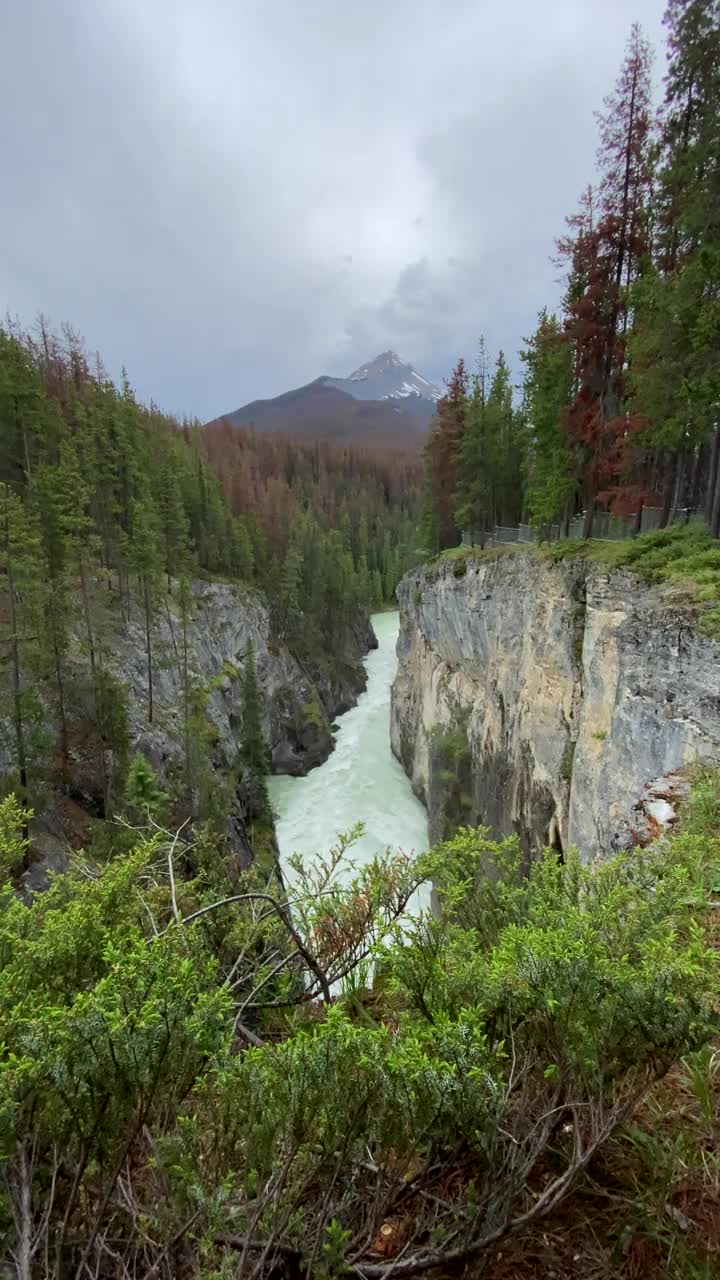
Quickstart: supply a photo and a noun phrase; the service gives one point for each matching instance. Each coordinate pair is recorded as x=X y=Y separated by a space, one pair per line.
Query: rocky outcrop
x=300 y=701
x=541 y=698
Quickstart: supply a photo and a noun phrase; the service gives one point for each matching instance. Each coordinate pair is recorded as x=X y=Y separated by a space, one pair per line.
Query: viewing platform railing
x=605 y=528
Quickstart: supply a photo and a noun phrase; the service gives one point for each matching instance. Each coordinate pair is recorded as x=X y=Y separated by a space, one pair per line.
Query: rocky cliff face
x=299 y=702
x=542 y=698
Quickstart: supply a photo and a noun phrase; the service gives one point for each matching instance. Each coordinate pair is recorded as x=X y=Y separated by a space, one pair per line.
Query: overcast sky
x=233 y=196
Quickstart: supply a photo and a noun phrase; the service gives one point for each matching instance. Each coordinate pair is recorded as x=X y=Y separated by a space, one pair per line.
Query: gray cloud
x=232 y=197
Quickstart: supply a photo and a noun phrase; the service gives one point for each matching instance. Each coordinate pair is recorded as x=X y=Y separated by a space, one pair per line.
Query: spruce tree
x=186 y=603
x=550 y=465
x=20 y=567
x=443 y=457
x=145 y=556
x=675 y=366
x=254 y=754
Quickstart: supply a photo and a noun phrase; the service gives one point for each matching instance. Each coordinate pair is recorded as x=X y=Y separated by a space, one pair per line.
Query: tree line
x=620 y=404
x=333 y=524
x=108 y=508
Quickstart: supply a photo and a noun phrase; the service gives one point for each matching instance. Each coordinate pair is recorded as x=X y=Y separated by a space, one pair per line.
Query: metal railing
x=605 y=528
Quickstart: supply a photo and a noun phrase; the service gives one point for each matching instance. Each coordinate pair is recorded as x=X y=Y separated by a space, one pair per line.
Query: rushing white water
x=360 y=782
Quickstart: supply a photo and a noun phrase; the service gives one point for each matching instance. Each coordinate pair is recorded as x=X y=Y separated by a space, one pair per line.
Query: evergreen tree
x=143 y=792
x=145 y=555
x=254 y=754
x=186 y=604
x=20 y=567
x=173 y=521
x=51 y=502
x=607 y=244
x=675 y=368
x=442 y=457
x=550 y=466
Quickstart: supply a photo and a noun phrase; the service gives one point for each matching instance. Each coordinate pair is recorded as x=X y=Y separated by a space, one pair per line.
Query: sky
x=231 y=197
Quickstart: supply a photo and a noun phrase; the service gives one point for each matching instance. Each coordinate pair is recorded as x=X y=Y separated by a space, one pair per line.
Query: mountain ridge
x=385 y=401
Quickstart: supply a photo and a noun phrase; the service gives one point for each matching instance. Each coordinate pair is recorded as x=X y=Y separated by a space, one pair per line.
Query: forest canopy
x=619 y=406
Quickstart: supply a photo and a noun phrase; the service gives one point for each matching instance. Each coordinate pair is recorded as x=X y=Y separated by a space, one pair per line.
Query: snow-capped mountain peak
x=388 y=377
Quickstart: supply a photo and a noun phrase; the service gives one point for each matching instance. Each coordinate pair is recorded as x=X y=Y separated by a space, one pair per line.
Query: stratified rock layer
x=571 y=689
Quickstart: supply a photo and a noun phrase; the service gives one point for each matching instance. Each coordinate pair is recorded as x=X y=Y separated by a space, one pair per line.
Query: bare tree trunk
x=19 y=727
x=93 y=672
x=712 y=475
x=699 y=462
x=715 y=513
x=668 y=490
x=186 y=719
x=148 y=649
x=677 y=489
x=23 y=1214
x=64 y=748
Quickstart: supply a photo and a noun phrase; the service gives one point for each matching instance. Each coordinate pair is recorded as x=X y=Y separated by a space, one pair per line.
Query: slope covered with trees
x=619 y=406
x=321 y=514
x=108 y=510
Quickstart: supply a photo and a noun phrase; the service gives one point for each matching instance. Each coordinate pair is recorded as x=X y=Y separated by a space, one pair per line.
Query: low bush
x=195 y=1077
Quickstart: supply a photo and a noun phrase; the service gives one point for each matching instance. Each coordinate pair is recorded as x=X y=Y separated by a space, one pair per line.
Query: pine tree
x=474 y=494
x=145 y=556
x=607 y=244
x=290 y=580
x=20 y=411
x=51 y=502
x=173 y=521
x=442 y=459
x=254 y=754
x=20 y=566
x=550 y=466
x=675 y=371
x=142 y=790
x=186 y=603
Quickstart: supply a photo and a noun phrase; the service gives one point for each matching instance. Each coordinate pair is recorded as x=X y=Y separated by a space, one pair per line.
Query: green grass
x=685 y=555
x=477 y=553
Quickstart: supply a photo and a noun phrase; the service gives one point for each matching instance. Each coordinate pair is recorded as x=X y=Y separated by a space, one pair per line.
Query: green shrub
x=566 y=763
x=161 y=1052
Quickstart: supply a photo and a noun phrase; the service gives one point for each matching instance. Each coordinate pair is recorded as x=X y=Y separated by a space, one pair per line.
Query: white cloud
x=231 y=198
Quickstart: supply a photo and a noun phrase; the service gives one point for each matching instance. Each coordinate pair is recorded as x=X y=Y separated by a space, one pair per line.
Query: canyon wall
x=299 y=700
x=541 y=698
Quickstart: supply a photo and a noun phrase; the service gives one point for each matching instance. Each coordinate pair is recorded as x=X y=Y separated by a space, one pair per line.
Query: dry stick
x=250 y=1036
x=149 y=912
x=307 y=956
x=172 y=1242
x=171 y=852
x=253 y=938
x=22 y=1213
x=263 y=1201
x=285 y=960
x=555 y=1192
x=247 y=1243
x=331 y=1186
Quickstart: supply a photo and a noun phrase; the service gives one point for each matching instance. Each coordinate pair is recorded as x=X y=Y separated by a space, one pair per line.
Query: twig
x=171 y=852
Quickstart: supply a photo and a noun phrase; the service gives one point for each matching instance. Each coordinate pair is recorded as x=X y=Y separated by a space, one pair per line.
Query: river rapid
x=360 y=782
